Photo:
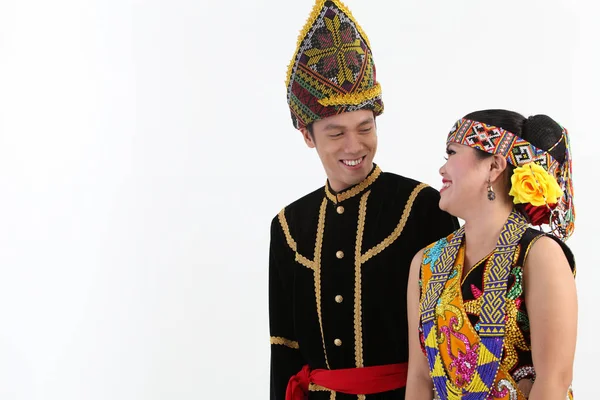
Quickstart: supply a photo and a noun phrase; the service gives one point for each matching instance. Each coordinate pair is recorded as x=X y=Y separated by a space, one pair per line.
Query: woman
x=493 y=306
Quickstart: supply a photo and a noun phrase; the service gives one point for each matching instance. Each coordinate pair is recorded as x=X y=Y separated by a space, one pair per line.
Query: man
x=340 y=256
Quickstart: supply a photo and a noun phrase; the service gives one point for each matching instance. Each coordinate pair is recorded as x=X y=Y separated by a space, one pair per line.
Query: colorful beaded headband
x=495 y=140
x=520 y=153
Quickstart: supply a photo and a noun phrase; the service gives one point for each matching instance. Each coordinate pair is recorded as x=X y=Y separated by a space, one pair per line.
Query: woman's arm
x=551 y=300
x=419 y=384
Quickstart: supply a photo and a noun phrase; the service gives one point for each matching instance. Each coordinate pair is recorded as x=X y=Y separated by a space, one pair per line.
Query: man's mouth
x=353 y=163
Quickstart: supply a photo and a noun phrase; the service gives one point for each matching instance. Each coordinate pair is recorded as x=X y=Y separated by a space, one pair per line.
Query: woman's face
x=465 y=177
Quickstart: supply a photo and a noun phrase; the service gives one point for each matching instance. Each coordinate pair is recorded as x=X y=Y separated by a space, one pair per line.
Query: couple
x=375 y=292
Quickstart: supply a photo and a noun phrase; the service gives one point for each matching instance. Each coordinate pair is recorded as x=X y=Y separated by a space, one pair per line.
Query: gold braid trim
x=317 y=388
x=315 y=265
x=286 y=230
x=352 y=98
x=358 y=338
x=292 y=344
x=360 y=259
x=300 y=259
x=330 y=195
x=292 y=243
x=317 y=271
x=309 y=24
x=399 y=228
x=355 y=190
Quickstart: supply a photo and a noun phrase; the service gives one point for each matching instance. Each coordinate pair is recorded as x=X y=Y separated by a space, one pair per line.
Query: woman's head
x=539 y=130
x=482 y=155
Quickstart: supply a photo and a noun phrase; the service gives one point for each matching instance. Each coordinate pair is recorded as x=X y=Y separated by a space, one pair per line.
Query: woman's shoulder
x=542 y=247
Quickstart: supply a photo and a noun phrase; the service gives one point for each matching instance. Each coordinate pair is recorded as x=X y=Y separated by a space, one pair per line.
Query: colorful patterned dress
x=470 y=358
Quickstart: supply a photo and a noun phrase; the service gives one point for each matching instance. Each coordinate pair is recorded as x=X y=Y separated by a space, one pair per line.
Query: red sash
x=367 y=380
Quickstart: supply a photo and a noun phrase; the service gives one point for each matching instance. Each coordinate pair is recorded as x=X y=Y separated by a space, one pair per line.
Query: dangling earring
x=490 y=194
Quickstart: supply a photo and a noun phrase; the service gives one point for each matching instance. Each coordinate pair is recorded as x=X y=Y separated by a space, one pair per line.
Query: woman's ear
x=497 y=167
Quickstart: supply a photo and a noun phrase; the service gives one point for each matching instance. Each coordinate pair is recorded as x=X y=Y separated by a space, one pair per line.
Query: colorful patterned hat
x=525 y=156
x=332 y=70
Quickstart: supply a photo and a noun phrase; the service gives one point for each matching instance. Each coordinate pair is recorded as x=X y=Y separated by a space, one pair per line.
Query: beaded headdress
x=525 y=156
x=332 y=70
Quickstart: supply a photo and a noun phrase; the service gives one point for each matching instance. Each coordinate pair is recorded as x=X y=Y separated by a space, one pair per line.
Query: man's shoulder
x=401 y=187
x=304 y=203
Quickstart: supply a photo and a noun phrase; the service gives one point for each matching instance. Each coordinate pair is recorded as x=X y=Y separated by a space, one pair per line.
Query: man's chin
x=356 y=176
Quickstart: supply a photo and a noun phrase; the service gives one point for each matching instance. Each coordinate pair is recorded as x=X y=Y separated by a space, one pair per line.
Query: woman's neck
x=482 y=231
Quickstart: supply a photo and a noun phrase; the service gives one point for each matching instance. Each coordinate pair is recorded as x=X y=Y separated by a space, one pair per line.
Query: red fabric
x=539 y=215
x=368 y=380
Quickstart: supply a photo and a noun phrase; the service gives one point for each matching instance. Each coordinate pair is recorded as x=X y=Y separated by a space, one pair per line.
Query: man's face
x=346 y=144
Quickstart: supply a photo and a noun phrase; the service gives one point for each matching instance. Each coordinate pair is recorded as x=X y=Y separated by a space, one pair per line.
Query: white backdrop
x=146 y=145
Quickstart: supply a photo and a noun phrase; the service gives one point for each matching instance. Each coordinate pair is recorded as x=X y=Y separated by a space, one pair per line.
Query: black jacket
x=338 y=273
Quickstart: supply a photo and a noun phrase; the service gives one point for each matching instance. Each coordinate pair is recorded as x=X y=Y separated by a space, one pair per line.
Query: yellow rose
x=531 y=182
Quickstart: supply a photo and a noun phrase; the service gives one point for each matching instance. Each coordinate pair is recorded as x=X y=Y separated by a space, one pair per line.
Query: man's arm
x=286 y=359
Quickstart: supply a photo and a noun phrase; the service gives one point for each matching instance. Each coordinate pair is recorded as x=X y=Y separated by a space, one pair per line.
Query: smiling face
x=465 y=178
x=346 y=144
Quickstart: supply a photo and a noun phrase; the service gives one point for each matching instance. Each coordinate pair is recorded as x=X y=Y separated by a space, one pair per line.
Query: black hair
x=539 y=130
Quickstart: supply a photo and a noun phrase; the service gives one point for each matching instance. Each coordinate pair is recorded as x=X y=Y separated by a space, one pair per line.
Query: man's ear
x=308 y=139
x=497 y=167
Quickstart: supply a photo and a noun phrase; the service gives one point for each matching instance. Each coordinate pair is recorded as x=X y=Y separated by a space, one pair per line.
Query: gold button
x=339 y=299
x=337 y=342
x=339 y=254
x=340 y=210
